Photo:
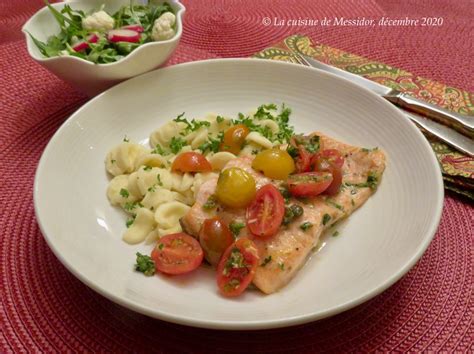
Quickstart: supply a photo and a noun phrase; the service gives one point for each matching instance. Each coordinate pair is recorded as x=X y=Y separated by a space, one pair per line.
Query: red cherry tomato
x=177 y=254
x=234 y=138
x=330 y=160
x=191 y=162
x=309 y=184
x=265 y=213
x=237 y=267
x=305 y=146
x=215 y=237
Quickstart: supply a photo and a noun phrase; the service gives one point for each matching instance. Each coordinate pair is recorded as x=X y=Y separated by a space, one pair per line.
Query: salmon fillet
x=287 y=251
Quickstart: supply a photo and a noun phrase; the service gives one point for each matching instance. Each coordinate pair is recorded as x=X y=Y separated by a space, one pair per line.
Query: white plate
x=376 y=245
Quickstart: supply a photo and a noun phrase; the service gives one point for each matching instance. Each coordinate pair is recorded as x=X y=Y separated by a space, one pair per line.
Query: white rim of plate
x=258 y=324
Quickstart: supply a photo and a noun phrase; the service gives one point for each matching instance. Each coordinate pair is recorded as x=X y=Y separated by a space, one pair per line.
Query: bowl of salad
x=94 y=45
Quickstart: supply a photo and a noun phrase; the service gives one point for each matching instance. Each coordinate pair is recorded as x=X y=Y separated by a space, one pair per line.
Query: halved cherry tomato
x=191 y=162
x=215 y=237
x=330 y=160
x=327 y=157
x=177 y=254
x=234 y=138
x=309 y=184
x=237 y=267
x=265 y=213
x=305 y=147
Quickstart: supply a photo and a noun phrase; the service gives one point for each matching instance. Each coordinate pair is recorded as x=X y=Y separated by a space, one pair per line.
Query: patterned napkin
x=458 y=169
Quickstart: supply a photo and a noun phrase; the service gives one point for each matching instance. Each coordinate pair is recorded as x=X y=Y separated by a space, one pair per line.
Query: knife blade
x=410 y=107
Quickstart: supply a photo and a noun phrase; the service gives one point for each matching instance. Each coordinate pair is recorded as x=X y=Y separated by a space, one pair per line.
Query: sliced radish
x=136 y=28
x=93 y=38
x=80 y=46
x=123 y=35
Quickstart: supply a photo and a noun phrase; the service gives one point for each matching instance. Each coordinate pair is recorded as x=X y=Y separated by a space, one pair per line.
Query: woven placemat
x=44 y=308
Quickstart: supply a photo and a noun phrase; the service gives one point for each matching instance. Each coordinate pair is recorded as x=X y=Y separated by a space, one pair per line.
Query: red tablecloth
x=45 y=308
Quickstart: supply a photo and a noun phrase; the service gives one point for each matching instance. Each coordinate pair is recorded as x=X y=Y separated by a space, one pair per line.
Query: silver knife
x=463 y=124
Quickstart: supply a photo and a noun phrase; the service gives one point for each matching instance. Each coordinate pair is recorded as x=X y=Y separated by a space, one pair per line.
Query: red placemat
x=45 y=308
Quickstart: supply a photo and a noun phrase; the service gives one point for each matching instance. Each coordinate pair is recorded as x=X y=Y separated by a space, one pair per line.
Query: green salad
x=102 y=38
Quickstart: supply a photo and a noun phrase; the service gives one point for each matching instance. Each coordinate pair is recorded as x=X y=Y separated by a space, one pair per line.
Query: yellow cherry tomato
x=274 y=163
x=235 y=188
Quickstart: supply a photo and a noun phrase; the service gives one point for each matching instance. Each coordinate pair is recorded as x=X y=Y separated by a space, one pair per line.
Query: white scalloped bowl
x=93 y=78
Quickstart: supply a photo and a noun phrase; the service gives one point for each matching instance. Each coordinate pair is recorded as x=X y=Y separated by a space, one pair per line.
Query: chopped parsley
x=335 y=233
x=113 y=161
x=191 y=126
x=158 y=150
x=124 y=193
x=130 y=206
x=126 y=139
x=281 y=265
x=334 y=204
x=236 y=260
x=210 y=203
x=130 y=221
x=372 y=182
x=212 y=144
x=219 y=119
x=158 y=178
x=152 y=188
x=161 y=246
x=176 y=144
x=145 y=264
x=369 y=150
x=326 y=218
x=266 y=261
x=147 y=168
x=306 y=226
x=235 y=227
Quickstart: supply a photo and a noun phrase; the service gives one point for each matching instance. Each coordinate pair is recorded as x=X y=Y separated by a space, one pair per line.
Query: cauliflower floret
x=99 y=21
x=163 y=27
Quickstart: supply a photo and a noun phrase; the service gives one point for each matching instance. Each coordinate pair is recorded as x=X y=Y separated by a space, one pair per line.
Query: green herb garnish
x=266 y=261
x=158 y=150
x=124 y=193
x=176 y=144
x=235 y=227
x=210 y=203
x=145 y=264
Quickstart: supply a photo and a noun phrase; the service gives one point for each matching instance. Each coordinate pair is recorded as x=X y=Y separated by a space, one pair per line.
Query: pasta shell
x=164 y=134
x=113 y=190
x=259 y=139
x=144 y=223
x=153 y=160
x=121 y=159
x=155 y=197
x=167 y=215
x=220 y=159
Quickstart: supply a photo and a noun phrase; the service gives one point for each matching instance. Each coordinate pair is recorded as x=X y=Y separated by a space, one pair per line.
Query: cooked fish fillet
x=291 y=246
